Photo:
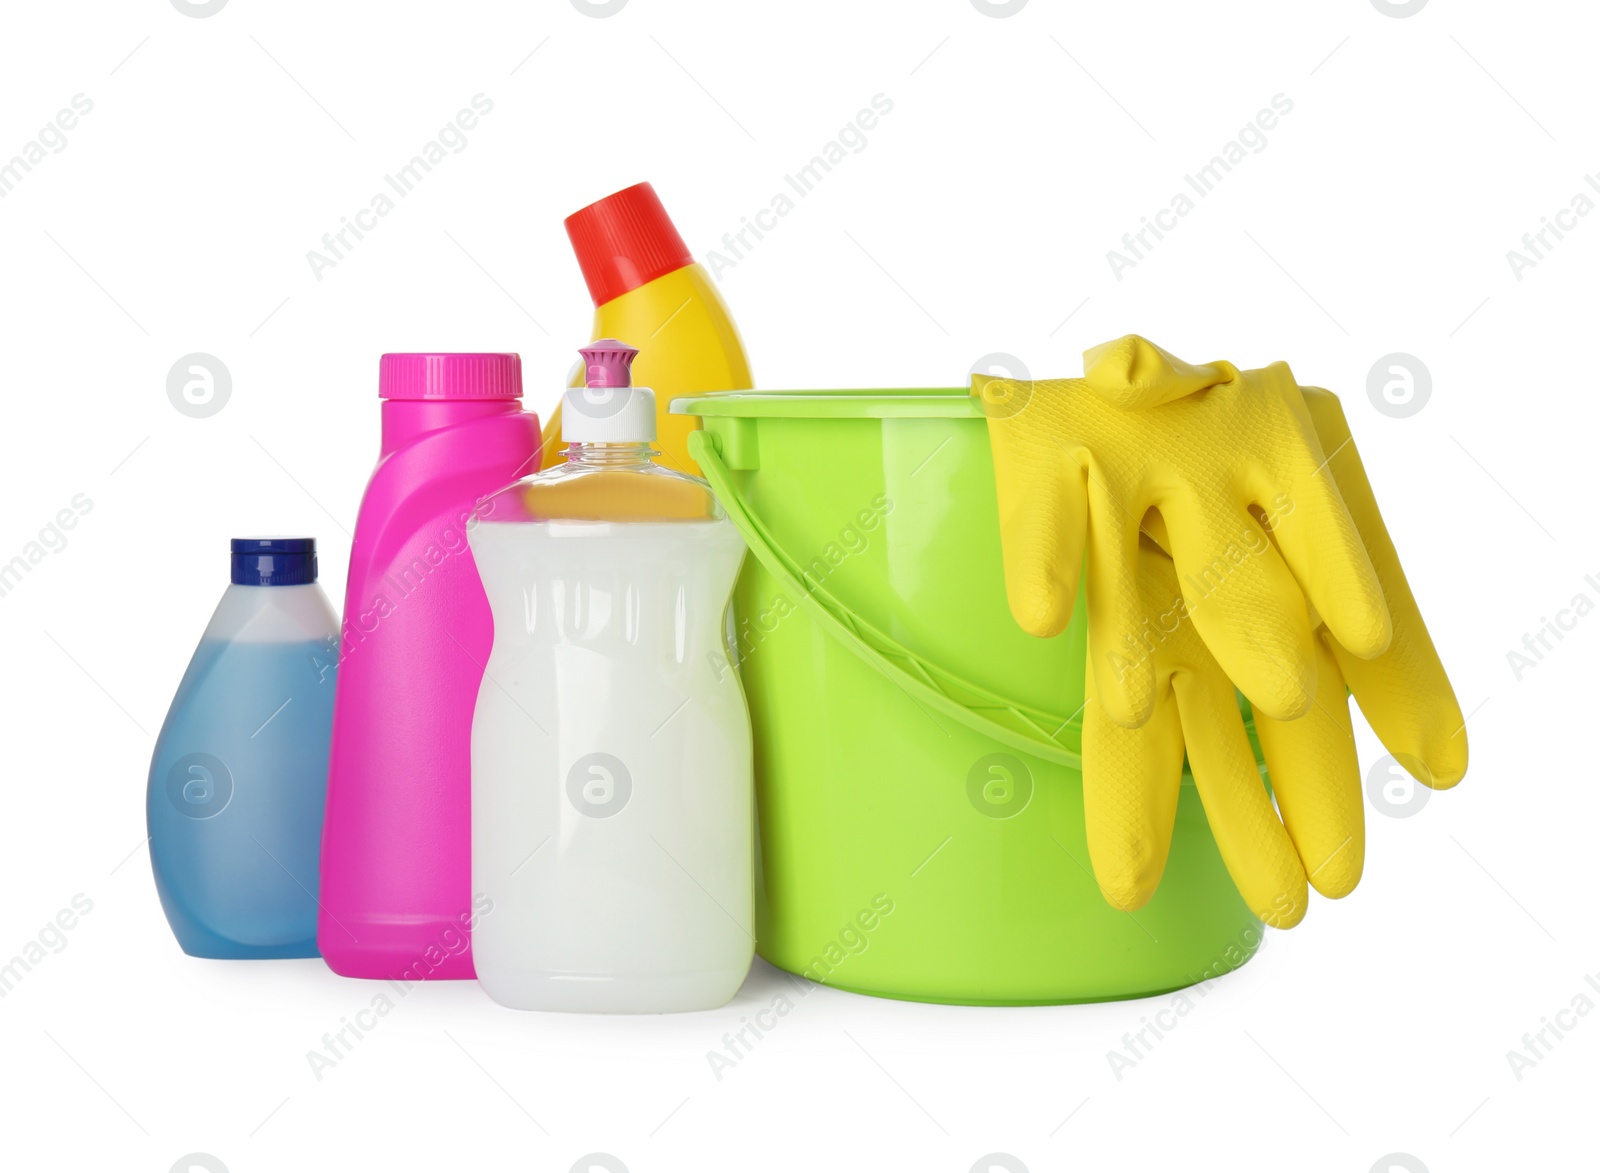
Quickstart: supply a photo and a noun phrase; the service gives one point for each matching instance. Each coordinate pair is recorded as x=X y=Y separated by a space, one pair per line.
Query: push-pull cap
x=608 y=409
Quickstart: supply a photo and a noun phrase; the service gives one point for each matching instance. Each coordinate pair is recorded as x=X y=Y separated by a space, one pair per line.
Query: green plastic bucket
x=916 y=754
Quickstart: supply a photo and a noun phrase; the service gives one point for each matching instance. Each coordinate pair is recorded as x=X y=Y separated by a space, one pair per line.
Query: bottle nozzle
x=608 y=363
x=608 y=408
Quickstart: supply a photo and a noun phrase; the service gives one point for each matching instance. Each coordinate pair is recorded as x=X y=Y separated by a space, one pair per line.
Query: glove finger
x=1131 y=780
x=1043 y=509
x=1319 y=541
x=1404 y=693
x=1253 y=842
x=1317 y=779
x=1412 y=709
x=1245 y=604
x=1133 y=372
x=1127 y=611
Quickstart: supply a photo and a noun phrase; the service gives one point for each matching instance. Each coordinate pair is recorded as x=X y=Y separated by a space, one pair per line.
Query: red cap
x=624 y=241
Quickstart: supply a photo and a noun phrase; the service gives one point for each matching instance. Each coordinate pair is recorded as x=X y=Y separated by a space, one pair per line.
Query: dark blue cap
x=274 y=561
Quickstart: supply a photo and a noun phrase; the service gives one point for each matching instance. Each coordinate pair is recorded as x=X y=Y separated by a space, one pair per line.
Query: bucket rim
x=842 y=403
x=1018 y=726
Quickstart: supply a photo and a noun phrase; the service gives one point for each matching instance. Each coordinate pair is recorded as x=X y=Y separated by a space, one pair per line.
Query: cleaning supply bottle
x=234 y=805
x=646 y=286
x=612 y=792
x=396 y=864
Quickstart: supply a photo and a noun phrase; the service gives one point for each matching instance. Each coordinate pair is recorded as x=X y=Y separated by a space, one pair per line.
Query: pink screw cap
x=450 y=376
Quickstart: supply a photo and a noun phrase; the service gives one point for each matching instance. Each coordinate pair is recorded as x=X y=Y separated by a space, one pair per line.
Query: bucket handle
x=1029 y=730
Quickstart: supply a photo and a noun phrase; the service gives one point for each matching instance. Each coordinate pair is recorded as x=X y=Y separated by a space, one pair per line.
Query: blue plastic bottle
x=241 y=766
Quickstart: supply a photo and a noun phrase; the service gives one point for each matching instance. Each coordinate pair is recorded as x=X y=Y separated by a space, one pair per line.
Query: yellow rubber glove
x=1131 y=776
x=1218 y=451
x=1404 y=693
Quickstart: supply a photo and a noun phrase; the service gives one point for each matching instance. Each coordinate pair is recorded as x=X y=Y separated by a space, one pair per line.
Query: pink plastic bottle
x=396 y=874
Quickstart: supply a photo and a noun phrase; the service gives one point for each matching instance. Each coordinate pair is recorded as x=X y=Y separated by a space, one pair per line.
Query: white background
x=977 y=218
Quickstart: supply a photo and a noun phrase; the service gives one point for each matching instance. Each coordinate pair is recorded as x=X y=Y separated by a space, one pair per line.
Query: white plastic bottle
x=612 y=822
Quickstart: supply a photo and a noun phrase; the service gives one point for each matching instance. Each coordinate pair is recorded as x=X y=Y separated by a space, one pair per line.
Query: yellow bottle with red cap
x=649 y=290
